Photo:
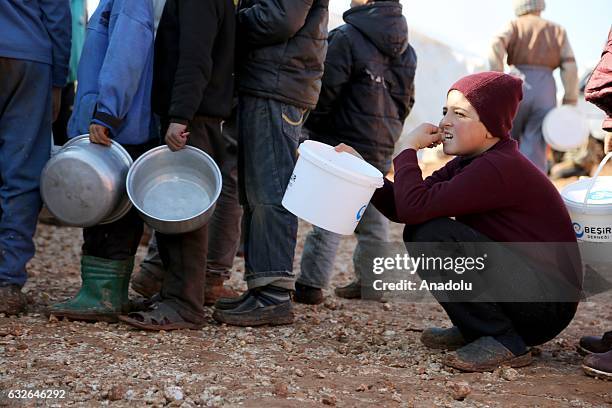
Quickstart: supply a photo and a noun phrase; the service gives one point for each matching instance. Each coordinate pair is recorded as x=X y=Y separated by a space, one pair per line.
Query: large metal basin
x=175 y=192
x=83 y=184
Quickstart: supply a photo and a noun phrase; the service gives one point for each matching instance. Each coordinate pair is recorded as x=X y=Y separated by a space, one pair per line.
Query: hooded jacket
x=281 y=49
x=115 y=73
x=368 y=85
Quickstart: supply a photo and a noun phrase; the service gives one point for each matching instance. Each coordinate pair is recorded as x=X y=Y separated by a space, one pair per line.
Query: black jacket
x=194 y=60
x=368 y=85
x=282 y=45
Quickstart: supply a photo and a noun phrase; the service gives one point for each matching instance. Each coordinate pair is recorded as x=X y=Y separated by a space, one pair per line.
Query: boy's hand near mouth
x=424 y=135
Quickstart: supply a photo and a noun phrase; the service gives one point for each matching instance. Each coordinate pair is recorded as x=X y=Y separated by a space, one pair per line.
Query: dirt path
x=344 y=353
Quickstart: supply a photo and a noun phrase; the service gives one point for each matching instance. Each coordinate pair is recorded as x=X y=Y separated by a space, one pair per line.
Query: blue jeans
x=317 y=264
x=25 y=146
x=539 y=97
x=268 y=136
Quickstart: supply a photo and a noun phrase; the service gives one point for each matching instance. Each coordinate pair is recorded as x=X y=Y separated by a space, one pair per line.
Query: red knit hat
x=495 y=96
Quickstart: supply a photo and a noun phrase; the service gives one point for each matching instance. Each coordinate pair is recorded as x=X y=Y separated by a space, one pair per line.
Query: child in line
x=495 y=195
x=113 y=102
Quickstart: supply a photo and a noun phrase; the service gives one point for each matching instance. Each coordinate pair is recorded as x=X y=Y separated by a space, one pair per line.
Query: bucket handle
x=594 y=178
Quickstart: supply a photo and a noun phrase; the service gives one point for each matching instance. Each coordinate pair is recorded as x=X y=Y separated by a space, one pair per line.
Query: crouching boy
x=495 y=196
x=113 y=102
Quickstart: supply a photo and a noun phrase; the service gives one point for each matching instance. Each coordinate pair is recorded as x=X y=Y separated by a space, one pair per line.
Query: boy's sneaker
x=229 y=303
x=356 y=290
x=307 y=294
x=12 y=300
x=350 y=291
x=598 y=365
x=267 y=305
x=595 y=344
x=485 y=354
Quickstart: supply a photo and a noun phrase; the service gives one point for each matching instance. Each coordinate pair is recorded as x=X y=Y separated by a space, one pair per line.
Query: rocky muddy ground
x=342 y=353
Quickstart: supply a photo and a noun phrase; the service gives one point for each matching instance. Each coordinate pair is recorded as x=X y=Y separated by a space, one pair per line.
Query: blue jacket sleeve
x=58 y=23
x=128 y=51
x=268 y=22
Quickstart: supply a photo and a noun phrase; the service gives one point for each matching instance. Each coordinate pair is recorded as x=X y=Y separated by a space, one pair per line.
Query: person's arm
x=405 y=100
x=499 y=48
x=384 y=201
x=443 y=174
x=55 y=15
x=478 y=188
x=129 y=48
x=268 y=22
x=337 y=73
x=57 y=20
x=569 y=72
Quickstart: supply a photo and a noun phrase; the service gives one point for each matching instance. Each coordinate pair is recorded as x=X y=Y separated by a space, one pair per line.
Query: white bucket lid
x=565 y=128
x=600 y=196
x=341 y=164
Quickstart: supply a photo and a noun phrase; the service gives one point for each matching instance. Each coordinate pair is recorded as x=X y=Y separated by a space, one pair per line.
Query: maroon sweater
x=498 y=193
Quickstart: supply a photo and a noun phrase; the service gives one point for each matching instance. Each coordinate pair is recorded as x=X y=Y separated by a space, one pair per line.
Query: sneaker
x=356 y=290
x=595 y=344
x=485 y=354
x=268 y=305
x=598 y=365
x=229 y=303
x=444 y=339
x=12 y=300
x=307 y=294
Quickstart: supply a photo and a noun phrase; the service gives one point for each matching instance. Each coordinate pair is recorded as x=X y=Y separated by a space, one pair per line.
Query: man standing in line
x=282 y=46
x=34 y=54
x=368 y=91
x=192 y=94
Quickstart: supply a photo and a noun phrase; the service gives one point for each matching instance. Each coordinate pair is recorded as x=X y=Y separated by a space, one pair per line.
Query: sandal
x=158 y=317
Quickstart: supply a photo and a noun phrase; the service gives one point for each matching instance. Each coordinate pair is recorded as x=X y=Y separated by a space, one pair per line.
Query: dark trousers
x=514 y=324
x=117 y=240
x=224 y=224
x=60 y=125
x=184 y=255
x=25 y=146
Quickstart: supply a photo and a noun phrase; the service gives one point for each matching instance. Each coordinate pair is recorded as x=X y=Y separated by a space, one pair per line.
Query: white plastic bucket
x=565 y=128
x=589 y=203
x=329 y=189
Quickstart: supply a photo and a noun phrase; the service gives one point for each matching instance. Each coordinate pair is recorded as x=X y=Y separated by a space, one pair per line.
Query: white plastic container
x=589 y=203
x=565 y=128
x=329 y=189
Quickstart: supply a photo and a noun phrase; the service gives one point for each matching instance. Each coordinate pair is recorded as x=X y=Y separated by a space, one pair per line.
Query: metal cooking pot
x=83 y=184
x=175 y=192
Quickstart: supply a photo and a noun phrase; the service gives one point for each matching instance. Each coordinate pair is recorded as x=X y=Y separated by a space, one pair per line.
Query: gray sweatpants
x=539 y=97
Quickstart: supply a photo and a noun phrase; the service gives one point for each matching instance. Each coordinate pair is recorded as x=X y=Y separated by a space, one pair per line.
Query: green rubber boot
x=104 y=291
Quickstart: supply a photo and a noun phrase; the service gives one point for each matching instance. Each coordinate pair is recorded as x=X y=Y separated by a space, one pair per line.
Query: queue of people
x=246 y=81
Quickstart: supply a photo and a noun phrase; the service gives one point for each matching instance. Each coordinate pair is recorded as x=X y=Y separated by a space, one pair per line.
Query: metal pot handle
x=594 y=178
